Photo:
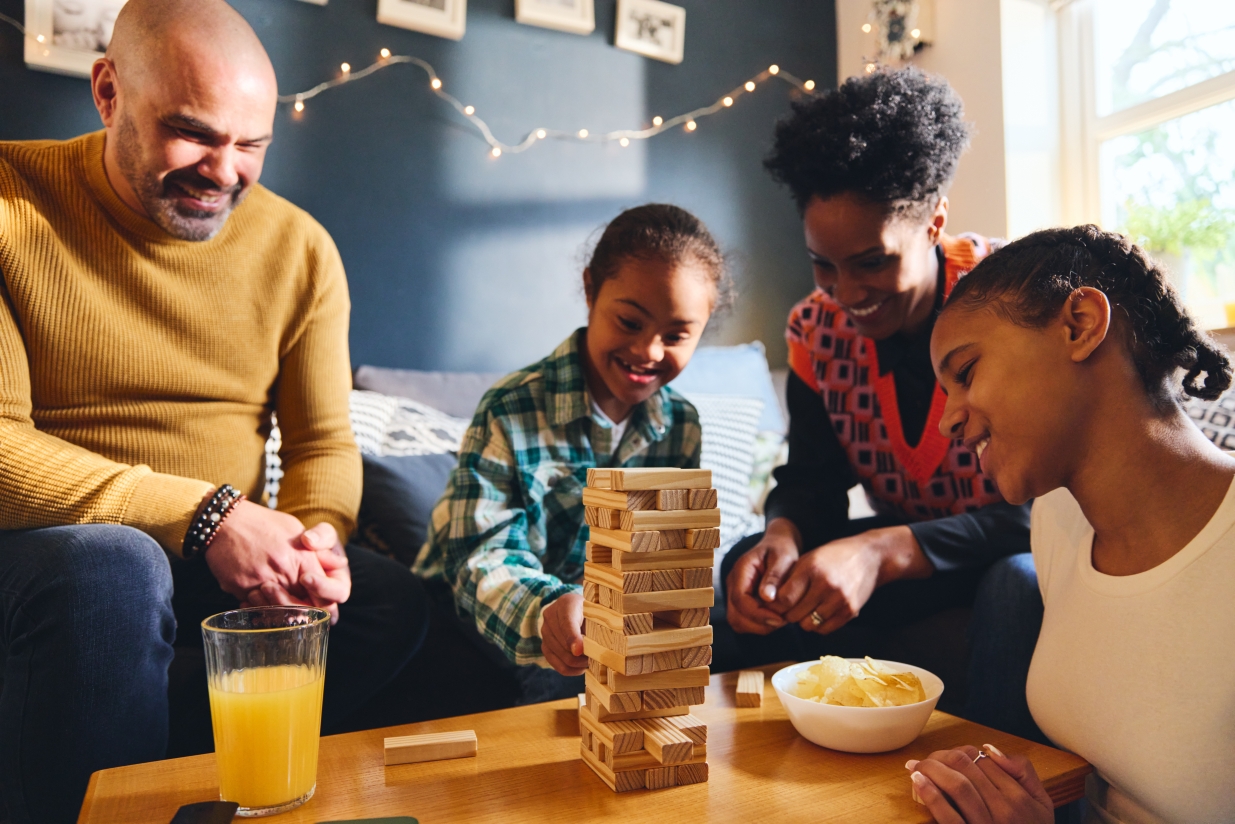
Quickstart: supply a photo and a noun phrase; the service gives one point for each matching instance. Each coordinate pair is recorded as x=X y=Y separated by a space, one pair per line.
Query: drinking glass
x=266 y=667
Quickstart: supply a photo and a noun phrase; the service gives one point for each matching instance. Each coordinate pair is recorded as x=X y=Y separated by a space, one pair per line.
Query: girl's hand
x=561 y=634
x=996 y=789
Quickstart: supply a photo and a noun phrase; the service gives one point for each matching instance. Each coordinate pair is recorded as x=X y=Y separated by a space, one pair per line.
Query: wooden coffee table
x=529 y=769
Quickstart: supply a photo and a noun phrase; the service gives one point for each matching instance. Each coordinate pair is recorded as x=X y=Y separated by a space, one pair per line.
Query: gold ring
x=815 y=618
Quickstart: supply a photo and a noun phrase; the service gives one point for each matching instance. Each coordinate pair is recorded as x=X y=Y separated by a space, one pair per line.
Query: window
x=1149 y=134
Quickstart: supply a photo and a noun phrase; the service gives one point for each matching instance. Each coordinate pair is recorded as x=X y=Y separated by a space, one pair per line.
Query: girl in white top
x=1061 y=356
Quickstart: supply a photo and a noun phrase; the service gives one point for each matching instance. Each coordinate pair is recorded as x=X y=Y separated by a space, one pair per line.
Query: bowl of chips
x=857 y=704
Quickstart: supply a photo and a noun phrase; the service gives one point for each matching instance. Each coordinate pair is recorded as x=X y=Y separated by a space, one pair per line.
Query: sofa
x=405 y=419
x=742 y=408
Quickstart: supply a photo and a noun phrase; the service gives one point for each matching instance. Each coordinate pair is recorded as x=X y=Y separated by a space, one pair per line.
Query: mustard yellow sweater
x=138 y=371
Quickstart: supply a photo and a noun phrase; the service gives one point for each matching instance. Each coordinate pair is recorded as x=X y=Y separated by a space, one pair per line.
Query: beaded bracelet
x=206 y=525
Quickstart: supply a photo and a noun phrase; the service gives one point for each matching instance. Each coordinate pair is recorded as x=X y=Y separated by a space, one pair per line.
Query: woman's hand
x=836 y=580
x=753 y=582
x=561 y=634
x=997 y=789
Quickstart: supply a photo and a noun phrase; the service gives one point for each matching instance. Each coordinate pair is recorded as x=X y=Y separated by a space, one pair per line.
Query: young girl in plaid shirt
x=508 y=534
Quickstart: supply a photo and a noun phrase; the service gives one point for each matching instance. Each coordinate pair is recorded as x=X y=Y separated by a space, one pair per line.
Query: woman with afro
x=869 y=165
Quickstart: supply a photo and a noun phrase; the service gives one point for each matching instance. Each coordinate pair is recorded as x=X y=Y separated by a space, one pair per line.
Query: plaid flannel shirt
x=508 y=533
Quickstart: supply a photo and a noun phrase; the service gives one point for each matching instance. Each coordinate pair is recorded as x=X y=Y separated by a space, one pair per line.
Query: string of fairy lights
x=623 y=137
x=689 y=121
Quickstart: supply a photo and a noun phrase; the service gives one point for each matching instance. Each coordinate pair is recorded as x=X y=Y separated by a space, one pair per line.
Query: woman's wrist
x=900 y=555
x=785 y=530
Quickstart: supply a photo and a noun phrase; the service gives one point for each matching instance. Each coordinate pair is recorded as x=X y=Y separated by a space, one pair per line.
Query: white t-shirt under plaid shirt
x=508 y=533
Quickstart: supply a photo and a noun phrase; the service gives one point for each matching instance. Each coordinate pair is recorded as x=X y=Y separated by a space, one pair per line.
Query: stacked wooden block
x=647 y=591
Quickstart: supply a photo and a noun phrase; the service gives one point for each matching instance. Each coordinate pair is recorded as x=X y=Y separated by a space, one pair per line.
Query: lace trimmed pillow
x=388 y=426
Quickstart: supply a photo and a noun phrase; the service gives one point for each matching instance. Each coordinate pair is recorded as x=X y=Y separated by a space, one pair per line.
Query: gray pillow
x=400 y=492
x=455 y=393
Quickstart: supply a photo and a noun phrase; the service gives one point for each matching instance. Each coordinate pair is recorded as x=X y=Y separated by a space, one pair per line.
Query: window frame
x=1083 y=132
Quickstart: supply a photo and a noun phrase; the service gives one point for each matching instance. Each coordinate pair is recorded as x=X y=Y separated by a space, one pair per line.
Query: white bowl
x=857 y=729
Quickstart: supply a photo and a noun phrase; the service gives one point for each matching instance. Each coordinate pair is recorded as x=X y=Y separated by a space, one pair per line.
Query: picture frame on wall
x=67 y=36
x=652 y=28
x=441 y=18
x=576 y=16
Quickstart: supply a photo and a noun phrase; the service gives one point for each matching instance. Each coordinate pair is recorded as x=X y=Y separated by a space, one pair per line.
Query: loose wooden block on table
x=649 y=478
x=413 y=749
x=530 y=771
x=750 y=688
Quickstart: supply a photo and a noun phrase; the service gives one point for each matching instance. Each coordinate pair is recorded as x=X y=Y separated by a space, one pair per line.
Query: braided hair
x=1029 y=280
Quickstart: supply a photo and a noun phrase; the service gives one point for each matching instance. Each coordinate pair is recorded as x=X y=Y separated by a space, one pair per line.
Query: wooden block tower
x=647 y=591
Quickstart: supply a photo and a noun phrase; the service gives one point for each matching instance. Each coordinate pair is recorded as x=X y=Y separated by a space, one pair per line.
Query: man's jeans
x=88 y=625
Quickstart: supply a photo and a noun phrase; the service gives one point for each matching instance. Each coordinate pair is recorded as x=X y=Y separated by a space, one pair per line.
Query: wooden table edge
x=88 y=802
x=1068 y=787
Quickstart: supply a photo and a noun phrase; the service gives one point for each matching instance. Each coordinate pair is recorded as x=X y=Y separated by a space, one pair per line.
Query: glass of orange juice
x=266 y=667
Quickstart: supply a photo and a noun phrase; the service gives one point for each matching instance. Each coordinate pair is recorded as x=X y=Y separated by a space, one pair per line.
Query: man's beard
x=157 y=198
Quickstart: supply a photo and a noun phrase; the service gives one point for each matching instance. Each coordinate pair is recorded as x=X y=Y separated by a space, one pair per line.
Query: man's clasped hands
x=265 y=557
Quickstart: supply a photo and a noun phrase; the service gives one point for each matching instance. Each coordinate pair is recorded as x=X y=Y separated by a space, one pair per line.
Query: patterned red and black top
x=936 y=478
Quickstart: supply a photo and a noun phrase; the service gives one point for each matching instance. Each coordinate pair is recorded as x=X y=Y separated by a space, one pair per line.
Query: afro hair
x=893 y=136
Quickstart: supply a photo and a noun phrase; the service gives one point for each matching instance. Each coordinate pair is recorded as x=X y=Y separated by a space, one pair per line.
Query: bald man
x=158 y=305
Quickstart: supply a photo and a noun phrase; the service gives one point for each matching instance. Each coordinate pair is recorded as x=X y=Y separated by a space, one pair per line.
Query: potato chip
x=864 y=684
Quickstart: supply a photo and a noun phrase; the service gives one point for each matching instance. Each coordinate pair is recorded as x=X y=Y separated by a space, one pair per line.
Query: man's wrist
x=900 y=555
x=209 y=519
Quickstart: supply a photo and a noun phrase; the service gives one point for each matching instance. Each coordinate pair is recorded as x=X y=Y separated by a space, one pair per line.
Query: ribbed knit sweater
x=138 y=371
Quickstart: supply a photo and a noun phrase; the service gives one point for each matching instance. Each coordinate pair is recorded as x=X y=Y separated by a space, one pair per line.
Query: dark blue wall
x=460 y=261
